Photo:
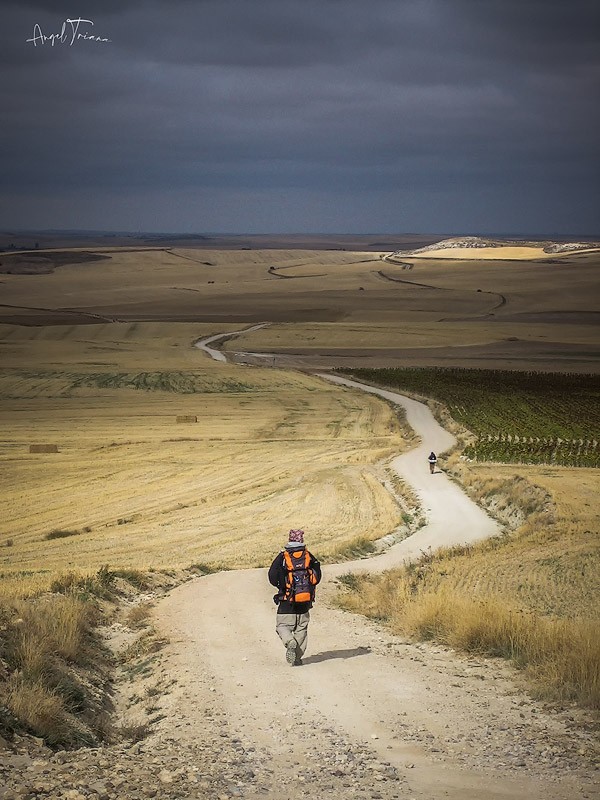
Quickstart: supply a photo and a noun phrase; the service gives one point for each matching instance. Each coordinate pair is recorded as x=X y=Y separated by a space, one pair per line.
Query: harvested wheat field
x=132 y=486
x=549 y=565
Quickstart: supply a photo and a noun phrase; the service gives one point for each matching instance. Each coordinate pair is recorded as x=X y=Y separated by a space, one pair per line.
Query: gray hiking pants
x=293 y=626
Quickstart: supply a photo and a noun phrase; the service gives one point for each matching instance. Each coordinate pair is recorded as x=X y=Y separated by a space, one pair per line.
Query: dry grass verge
x=139 y=616
x=49 y=653
x=55 y=670
x=560 y=657
x=548 y=560
x=43 y=712
x=358 y=547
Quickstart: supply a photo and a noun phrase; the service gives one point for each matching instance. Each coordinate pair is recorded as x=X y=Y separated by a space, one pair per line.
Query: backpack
x=300 y=579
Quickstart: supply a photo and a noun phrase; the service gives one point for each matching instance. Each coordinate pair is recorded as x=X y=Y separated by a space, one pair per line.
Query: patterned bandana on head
x=296 y=536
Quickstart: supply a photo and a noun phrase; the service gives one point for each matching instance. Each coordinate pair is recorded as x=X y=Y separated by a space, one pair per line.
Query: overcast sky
x=360 y=116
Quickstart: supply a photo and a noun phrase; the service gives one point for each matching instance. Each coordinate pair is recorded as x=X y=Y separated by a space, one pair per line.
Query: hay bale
x=187 y=418
x=43 y=448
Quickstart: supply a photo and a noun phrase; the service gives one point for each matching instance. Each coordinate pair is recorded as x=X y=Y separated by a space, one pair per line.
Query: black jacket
x=277 y=576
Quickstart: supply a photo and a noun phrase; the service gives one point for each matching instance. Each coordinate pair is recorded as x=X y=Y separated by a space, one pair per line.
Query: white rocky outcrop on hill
x=479 y=243
x=570 y=247
x=474 y=242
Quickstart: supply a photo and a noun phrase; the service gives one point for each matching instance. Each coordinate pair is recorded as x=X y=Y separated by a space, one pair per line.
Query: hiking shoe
x=290 y=652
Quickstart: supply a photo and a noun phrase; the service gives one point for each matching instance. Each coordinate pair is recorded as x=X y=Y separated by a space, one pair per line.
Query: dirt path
x=452 y=518
x=218 y=355
x=368 y=715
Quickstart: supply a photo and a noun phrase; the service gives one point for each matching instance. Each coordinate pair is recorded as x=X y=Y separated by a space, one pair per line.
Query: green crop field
x=517 y=417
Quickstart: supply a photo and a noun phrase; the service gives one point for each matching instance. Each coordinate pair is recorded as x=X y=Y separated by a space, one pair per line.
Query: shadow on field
x=330 y=654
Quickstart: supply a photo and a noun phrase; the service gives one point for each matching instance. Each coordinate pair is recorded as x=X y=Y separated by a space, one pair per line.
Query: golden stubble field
x=549 y=565
x=271 y=450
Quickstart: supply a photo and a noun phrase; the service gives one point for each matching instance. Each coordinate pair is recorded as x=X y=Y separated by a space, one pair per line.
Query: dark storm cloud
x=326 y=99
x=62 y=10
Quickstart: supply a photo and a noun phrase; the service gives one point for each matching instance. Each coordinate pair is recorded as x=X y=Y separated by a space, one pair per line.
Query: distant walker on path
x=432 y=458
x=295 y=572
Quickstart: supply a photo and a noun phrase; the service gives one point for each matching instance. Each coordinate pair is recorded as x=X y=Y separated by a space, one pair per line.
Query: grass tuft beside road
x=46 y=644
x=561 y=657
x=55 y=668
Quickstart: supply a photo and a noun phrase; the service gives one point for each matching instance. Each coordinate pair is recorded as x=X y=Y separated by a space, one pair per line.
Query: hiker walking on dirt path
x=432 y=458
x=295 y=572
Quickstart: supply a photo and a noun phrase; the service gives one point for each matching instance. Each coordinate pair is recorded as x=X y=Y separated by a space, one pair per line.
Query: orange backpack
x=300 y=580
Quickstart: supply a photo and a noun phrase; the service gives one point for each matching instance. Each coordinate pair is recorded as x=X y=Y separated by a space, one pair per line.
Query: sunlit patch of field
x=132 y=487
x=487 y=253
x=477 y=248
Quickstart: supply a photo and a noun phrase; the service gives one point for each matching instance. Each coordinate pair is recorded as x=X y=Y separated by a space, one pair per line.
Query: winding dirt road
x=218 y=355
x=368 y=715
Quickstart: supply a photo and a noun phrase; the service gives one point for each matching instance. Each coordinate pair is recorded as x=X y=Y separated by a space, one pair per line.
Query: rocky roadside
x=512 y=732
x=162 y=769
x=180 y=759
x=172 y=741
x=172 y=738
x=216 y=768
